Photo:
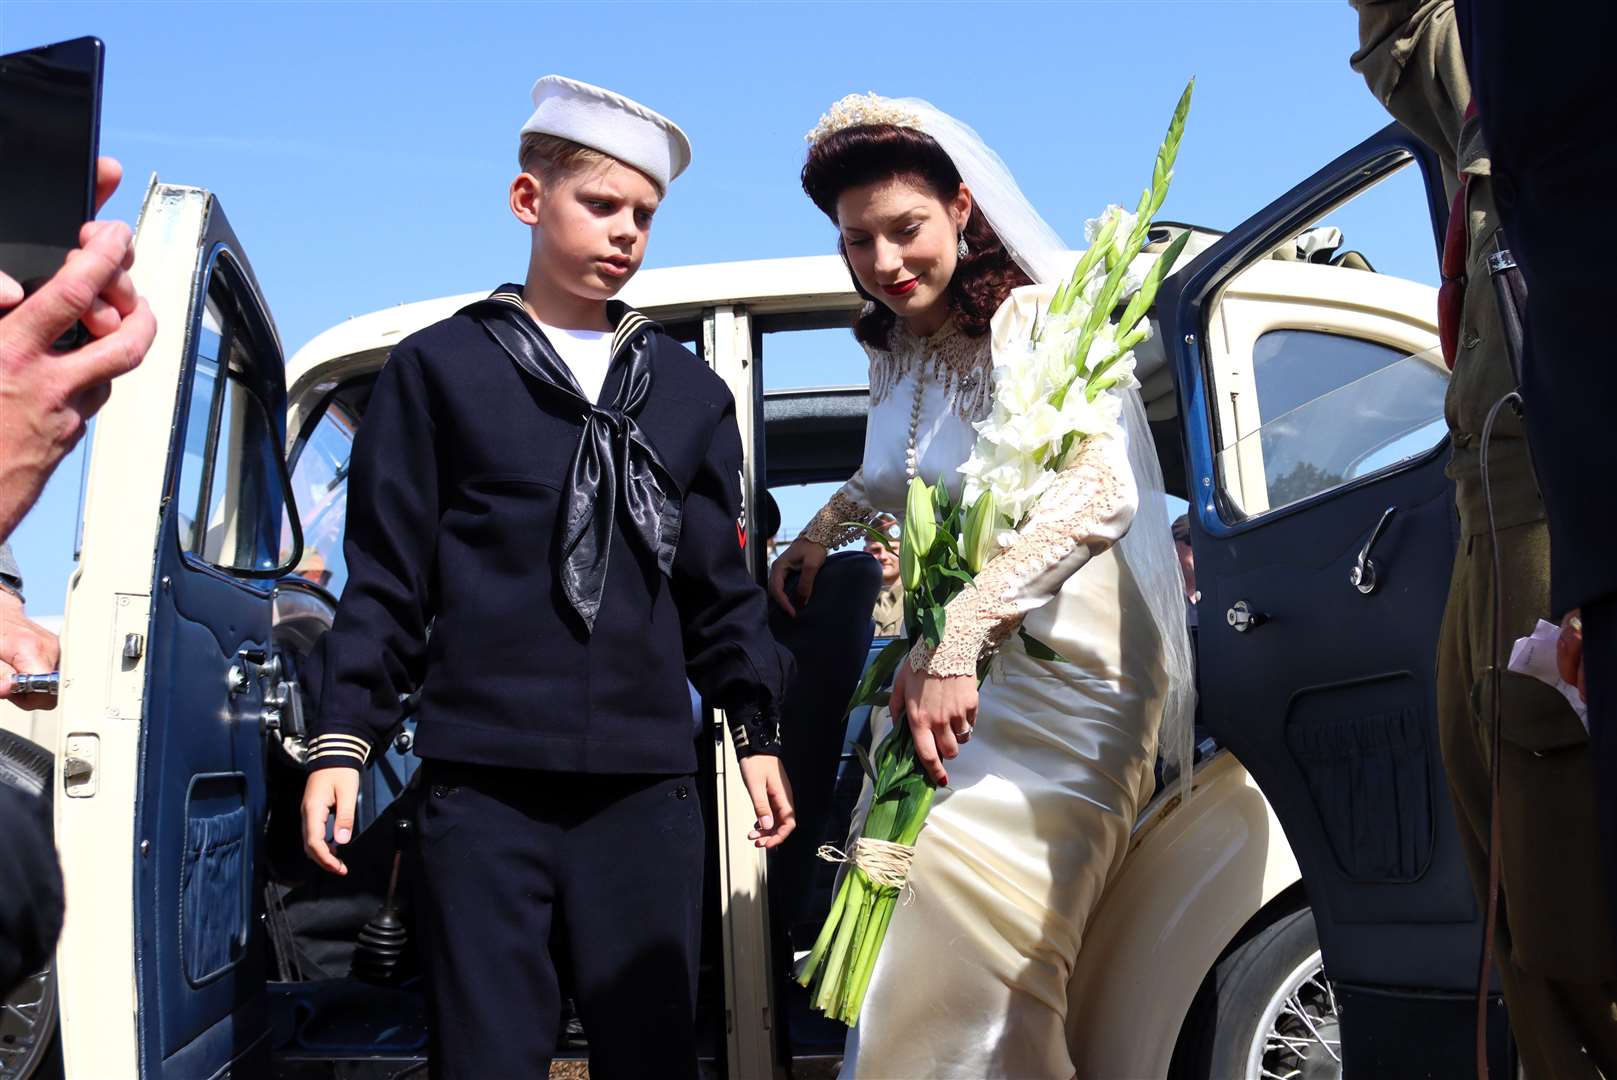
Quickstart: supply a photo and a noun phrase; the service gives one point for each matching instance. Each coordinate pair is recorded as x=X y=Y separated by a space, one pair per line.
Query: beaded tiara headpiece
x=859 y=110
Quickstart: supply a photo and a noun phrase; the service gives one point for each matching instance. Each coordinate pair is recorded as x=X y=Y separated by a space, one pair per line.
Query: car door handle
x=1366 y=573
x=1243 y=619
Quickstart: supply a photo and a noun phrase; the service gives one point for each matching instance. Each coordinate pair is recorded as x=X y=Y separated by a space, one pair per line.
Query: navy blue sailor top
x=458 y=516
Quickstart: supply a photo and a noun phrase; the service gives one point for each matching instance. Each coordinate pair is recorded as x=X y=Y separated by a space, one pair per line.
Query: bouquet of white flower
x=1056 y=389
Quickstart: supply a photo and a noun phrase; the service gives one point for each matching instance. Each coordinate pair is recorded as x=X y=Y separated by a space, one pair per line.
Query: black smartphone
x=50 y=137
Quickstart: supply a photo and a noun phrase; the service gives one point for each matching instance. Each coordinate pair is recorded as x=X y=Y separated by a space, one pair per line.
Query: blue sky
x=362 y=150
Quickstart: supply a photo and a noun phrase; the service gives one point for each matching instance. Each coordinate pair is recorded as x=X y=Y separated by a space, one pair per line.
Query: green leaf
x=864 y=761
x=873 y=532
x=1039 y=650
x=1141 y=303
x=1080 y=273
x=878 y=672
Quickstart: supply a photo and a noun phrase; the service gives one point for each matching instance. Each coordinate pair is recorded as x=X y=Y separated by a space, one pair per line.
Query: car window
x=816 y=356
x=1322 y=358
x=320 y=487
x=229 y=490
x=1342 y=407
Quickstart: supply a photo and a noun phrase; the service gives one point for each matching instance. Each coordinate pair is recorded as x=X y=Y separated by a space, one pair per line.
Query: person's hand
x=1569 y=652
x=771 y=795
x=107 y=174
x=336 y=788
x=25 y=647
x=805 y=556
x=941 y=711
x=46 y=396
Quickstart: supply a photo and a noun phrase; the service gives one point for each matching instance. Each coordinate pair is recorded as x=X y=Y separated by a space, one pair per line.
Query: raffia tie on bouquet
x=884 y=862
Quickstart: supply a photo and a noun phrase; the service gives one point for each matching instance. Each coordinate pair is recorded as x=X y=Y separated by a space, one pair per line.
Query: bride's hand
x=941 y=712
x=803 y=555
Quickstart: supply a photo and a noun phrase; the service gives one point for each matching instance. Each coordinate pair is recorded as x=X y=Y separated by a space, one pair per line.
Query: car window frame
x=1221 y=522
x=1227 y=502
x=222 y=263
x=308 y=425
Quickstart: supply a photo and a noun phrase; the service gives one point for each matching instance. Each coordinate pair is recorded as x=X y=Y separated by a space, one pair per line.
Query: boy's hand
x=336 y=787
x=771 y=797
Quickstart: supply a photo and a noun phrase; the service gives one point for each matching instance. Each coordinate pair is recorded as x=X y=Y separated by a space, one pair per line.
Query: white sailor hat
x=610 y=123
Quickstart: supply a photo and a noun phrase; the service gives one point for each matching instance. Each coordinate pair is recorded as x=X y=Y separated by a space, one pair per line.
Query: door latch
x=237 y=677
x=1365 y=575
x=283 y=701
x=1242 y=618
x=79 y=765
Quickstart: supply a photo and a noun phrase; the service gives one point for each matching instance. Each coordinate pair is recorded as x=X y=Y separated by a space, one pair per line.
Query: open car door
x=1324 y=530
x=172 y=674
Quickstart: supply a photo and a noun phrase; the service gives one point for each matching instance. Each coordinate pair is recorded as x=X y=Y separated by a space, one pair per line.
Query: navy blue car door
x=224 y=538
x=1324 y=531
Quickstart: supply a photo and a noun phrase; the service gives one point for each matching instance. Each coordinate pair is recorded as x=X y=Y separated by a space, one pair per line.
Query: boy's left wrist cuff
x=754 y=729
x=337 y=748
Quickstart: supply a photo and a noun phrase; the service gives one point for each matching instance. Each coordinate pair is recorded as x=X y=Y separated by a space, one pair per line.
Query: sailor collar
x=626 y=320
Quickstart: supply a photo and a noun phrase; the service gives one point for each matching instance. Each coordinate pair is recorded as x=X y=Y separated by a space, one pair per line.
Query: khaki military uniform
x=889 y=613
x=1554 y=946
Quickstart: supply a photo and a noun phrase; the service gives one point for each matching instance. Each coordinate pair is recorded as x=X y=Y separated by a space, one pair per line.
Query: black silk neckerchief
x=614 y=461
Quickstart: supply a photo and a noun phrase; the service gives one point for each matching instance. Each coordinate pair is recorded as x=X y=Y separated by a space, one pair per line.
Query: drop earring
x=962 y=248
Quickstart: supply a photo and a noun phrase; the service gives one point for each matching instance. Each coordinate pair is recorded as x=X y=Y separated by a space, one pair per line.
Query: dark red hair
x=872 y=153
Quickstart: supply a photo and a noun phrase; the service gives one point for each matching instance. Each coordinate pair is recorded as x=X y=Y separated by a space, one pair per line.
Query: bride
x=1046 y=768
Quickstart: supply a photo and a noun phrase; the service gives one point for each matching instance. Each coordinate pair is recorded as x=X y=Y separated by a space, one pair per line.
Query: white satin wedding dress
x=973 y=978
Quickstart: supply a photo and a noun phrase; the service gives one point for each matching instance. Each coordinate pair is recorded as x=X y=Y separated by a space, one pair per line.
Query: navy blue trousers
x=519 y=874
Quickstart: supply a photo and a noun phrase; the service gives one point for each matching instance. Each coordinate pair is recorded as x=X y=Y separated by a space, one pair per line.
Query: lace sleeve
x=828 y=527
x=1084 y=511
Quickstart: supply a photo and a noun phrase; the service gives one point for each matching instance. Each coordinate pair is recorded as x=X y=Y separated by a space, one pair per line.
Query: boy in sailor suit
x=551 y=481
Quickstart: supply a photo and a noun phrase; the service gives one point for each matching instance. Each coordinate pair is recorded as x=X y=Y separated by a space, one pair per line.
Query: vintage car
x=1304 y=907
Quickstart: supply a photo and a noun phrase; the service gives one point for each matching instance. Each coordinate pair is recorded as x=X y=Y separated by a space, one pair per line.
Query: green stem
x=850 y=970
x=831 y=980
x=867 y=958
x=811 y=962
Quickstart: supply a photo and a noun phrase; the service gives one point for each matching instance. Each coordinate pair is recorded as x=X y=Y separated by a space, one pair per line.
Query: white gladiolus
x=1025 y=435
x=1120 y=238
x=1094 y=225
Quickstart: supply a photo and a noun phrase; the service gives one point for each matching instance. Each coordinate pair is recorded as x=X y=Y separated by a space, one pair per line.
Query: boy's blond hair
x=552 y=158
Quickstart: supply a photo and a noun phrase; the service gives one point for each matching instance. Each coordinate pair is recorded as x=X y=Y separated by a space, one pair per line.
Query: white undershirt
x=587 y=353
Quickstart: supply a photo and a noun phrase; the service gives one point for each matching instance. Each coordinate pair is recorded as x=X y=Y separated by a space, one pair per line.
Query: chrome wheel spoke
x=1298 y=1033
